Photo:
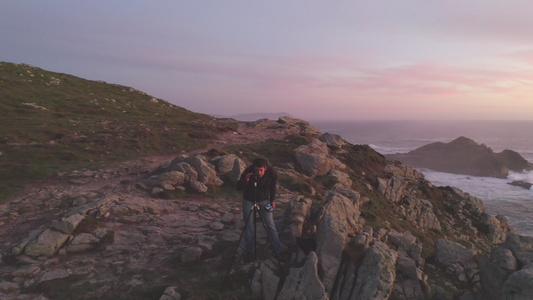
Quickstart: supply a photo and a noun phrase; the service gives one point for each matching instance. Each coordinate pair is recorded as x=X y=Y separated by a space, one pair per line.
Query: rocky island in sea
x=464 y=156
x=353 y=224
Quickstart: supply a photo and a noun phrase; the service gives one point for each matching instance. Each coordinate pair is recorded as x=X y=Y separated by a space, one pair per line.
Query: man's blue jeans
x=249 y=228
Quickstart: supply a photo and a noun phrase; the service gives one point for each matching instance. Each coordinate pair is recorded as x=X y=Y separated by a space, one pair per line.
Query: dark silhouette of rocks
x=464 y=156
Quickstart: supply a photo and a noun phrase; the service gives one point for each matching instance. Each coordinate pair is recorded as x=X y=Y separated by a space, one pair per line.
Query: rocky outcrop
x=464 y=156
x=376 y=234
x=304 y=283
x=315 y=160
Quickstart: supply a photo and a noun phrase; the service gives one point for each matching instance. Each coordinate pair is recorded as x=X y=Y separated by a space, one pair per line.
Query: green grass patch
x=53 y=122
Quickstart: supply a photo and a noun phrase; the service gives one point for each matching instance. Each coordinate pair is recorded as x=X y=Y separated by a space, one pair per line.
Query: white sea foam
x=524 y=176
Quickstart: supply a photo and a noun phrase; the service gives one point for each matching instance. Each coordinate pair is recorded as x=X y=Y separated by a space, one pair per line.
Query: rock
x=269 y=279
x=392 y=188
x=521 y=246
x=206 y=173
x=313 y=159
x=171 y=293
x=82 y=242
x=197 y=186
x=376 y=276
x=52 y=275
x=420 y=213
x=217 y=226
x=206 y=242
x=297 y=211
x=343 y=178
x=407 y=267
x=519 y=285
x=226 y=163
x=303 y=283
x=68 y=224
x=6 y=286
x=403 y=241
x=495 y=270
x=331 y=237
x=185 y=168
x=172 y=178
x=523 y=184
x=344 y=209
x=46 y=244
x=191 y=254
x=334 y=141
x=448 y=253
x=340 y=219
x=238 y=167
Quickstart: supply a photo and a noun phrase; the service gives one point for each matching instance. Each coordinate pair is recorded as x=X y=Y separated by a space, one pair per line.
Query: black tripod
x=254 y=211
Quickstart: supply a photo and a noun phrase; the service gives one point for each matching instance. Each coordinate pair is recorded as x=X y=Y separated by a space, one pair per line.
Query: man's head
x=260 y=166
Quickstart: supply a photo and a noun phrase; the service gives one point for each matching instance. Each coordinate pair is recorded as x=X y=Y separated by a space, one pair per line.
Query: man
x=258 y=183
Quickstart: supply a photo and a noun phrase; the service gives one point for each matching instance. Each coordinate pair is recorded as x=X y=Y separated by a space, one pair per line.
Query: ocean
x=387 y=137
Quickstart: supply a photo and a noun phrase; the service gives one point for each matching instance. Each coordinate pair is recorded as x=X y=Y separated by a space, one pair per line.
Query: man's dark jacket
x=266 y=186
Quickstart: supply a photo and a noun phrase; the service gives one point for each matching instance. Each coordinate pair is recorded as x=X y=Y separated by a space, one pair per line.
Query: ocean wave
x=524 y=176
x=390 y=150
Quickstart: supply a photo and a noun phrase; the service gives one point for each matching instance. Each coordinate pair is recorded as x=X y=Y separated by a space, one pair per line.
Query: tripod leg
x=237 y=247
x=275 y=246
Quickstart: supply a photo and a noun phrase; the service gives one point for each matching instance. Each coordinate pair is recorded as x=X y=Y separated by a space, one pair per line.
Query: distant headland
x=464 y=156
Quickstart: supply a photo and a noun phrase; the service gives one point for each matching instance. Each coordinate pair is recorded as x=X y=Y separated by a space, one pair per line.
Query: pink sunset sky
x=356 y=60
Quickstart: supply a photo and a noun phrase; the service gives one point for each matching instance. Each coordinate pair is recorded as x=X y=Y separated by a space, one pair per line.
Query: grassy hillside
x=52 y=122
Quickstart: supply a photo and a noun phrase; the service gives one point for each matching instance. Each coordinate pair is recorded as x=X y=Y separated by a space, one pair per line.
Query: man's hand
x=248 y=176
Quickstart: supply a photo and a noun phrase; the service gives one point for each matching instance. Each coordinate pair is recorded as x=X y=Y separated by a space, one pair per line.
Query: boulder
x=313 y=158
x=197 y=186
x=495 y=270
x=376 y=276
x=334 y=141
x=392 y=188
x=238 y=167
x=519 y=285
x=402 y=241
x=171 y=293
x=206 y=173
x=185 y=168
x=173 y=178
x=331 y=237
x=82 y=242
x=521 y=246
x=303 y=283
x=448 y=253
x=343 y=178
x=46 y=244
x=420 y=213
x=297 y=210
x=226 y=163
x=191 y=254
x=67 y=224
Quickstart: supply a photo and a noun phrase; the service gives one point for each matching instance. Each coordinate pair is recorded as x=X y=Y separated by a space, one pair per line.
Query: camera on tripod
x=254 y=177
